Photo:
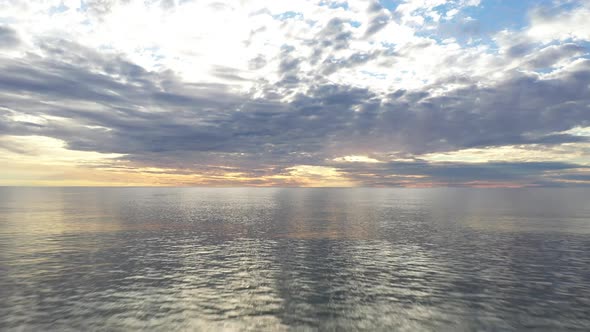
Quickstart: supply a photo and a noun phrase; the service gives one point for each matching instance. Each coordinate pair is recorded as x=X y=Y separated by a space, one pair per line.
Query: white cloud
x=195 y=38
x=578 y=153
x=549 y=26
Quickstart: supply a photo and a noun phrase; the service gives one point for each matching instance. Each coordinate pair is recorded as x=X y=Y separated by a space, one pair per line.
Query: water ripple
x=284 y=259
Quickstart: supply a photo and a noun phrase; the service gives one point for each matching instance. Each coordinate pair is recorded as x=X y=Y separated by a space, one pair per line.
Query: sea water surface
x=119 y=259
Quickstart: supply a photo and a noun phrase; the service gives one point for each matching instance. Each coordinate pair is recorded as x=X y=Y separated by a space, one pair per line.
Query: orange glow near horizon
x=43 y=161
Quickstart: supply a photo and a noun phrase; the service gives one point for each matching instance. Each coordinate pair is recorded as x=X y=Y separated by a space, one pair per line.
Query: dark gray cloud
x=462 y=174
x=8 y=37
x=332 y=65
x=257 y=63
x=551 y=55
x=105 y=103
x=575 y=177
x=377 y=23
x=335 y=36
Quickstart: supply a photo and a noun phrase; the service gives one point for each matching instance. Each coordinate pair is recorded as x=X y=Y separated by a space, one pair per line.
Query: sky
x=328 y=93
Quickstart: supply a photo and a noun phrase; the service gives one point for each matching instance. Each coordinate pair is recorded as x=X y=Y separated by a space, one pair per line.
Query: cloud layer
x=314 y=93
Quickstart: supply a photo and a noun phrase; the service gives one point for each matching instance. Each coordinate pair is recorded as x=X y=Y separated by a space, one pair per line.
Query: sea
x=294 y=259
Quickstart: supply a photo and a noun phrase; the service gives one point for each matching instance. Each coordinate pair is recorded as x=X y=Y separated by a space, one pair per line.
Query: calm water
x=280 y=259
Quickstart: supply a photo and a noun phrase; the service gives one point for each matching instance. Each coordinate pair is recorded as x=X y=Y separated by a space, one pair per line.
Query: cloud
x=552 y=55
x=419 y=173
x=8 y=37
x=548 y=24
x=292 y=94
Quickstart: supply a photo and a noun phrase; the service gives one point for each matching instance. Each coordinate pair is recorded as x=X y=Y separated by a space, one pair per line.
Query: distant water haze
x=291 y=258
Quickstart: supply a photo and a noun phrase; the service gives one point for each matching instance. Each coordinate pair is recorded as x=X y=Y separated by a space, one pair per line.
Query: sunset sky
x=412 y=93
